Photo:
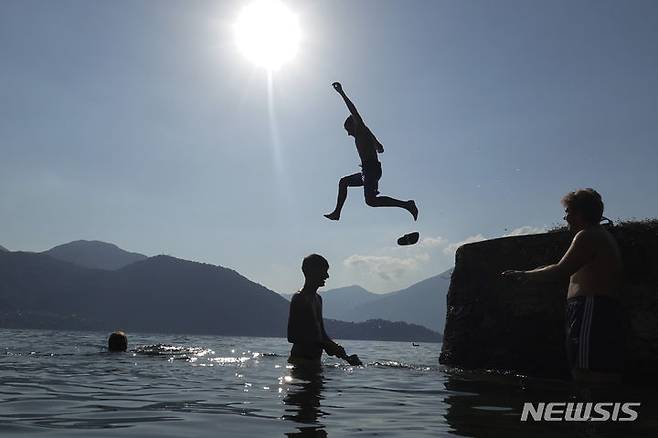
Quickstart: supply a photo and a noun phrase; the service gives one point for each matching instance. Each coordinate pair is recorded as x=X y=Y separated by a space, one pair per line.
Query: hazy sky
x=140 y=123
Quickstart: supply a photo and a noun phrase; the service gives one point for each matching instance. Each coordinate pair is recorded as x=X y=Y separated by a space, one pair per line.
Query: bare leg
x=386 y=201
x=353 y=180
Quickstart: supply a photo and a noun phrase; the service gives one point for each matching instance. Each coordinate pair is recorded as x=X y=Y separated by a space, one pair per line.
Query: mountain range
x=94 y=254
x=423 y=303
x=152 y=294
x=341 y=301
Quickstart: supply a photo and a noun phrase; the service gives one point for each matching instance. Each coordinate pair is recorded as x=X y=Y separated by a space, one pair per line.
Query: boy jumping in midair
x=371 y=169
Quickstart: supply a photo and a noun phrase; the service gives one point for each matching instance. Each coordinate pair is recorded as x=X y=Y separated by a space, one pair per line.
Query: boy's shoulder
x=299 y=296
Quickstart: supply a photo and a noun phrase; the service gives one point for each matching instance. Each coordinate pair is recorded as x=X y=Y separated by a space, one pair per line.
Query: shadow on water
x=490 y=405
x=303 y=402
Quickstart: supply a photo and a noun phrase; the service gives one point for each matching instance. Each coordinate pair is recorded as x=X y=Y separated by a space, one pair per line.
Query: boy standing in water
x=305 y=326
x=368 y=147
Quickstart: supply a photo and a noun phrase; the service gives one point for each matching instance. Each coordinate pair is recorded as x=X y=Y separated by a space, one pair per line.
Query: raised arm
x=350 y=106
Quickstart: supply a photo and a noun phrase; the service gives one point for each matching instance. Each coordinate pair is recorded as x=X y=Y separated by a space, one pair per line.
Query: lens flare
x=267 y=33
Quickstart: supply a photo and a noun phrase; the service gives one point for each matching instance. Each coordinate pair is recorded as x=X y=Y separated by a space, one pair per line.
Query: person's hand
x=354 y=360
x=337 y=87
x=333 y=349
x=514 y=275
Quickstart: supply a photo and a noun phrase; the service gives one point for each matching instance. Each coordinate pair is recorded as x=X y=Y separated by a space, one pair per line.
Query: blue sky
x=140 y=123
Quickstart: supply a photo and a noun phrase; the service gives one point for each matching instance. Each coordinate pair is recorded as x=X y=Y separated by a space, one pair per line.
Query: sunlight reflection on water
x=65 y=384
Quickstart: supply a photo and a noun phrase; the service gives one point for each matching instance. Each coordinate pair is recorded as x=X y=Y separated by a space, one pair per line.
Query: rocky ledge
x=496 y=324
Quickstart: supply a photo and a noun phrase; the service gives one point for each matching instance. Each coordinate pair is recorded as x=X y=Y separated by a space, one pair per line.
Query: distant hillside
x=423 y=303
x=2 y=248
x=339 y=302
x=379 y=329
x=189 y=297
x=36 y=288
x=94 y=254
x=158 y=294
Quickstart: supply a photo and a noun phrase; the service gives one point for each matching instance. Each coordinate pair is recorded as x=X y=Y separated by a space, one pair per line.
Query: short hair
x=118 y=341
x=349 y=122
x=313 y=262
x=586 y=202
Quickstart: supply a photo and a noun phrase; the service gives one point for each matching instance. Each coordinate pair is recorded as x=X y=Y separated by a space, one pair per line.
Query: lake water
x=63 y=384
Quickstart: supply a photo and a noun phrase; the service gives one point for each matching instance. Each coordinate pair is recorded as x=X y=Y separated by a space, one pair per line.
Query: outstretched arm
x=578 y=254
x=332 y=348
x=350 y=106
x=329 y=346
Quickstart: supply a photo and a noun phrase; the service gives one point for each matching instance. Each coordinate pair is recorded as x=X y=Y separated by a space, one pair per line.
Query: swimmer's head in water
x=582 y=208
x=349 y=125
x=118 y=341
x=315 y=269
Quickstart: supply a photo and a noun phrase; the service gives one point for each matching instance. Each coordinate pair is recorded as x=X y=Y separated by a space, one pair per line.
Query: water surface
x=62 y=384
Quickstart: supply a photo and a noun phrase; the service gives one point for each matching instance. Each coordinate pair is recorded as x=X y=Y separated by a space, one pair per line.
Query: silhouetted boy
x=368 y=147
x=305 y=326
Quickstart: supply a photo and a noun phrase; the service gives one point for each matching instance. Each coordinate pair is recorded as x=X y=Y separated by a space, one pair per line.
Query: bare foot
x=333 y=216
x=413 y=209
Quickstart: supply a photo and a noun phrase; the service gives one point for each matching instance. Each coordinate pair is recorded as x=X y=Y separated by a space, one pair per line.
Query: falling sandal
x=409 y=239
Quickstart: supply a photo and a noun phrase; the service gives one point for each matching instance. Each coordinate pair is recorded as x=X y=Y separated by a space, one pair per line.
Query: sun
x=267 y=33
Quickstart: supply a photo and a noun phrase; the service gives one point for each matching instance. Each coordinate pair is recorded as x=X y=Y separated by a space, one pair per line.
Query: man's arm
x=295 y=331
x=350 y=106
x=579 y=253
x=378 y=146
x=332 y=348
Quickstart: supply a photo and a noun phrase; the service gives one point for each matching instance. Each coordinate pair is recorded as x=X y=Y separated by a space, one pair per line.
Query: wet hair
x=349 y=123
x=586 y=202
x=313 y=262
x=118 y=341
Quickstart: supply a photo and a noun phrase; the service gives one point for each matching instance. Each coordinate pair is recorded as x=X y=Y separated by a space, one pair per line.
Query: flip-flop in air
x=409 y=239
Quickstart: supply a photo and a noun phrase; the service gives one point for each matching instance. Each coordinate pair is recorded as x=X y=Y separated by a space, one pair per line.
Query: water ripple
x=62 y=384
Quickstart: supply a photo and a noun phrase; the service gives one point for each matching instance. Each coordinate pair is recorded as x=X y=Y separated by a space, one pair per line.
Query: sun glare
x=267 y=33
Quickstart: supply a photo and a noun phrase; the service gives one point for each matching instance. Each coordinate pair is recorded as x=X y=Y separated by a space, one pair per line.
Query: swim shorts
x=595 y=333
x=371 y=172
